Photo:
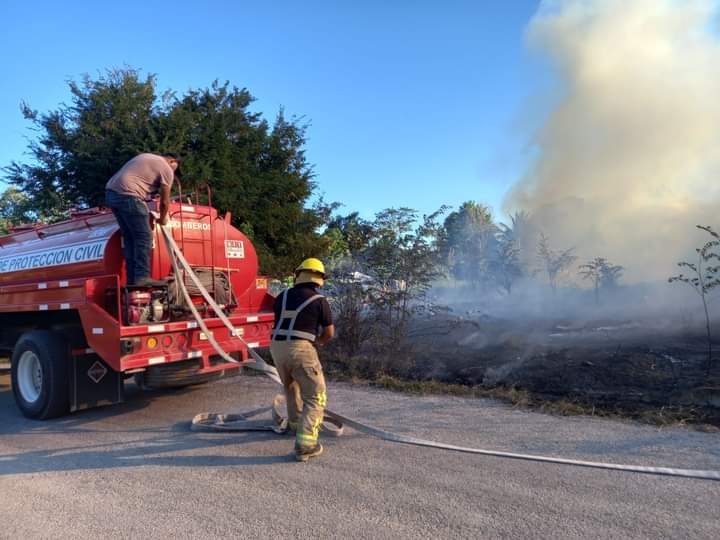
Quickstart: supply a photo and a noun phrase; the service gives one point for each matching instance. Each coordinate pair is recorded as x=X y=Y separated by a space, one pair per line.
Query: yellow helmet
x=311 y=265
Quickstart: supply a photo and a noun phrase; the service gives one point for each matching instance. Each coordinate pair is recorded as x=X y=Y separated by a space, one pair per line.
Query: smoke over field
x=627 y=161
x=625 y=164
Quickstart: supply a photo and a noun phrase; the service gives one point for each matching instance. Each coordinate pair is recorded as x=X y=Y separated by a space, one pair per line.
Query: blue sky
x=410 y=103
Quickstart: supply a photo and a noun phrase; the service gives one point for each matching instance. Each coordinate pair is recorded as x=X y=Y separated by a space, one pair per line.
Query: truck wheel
x=40 y=374
x=178 y=375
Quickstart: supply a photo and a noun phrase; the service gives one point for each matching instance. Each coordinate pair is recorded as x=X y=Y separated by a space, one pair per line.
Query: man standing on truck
x=302 y=321
x=138 y=180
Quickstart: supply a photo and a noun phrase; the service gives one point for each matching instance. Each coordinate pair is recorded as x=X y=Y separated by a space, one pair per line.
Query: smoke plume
x=627 y=161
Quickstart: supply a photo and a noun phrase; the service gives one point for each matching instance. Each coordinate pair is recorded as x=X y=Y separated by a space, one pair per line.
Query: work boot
x=303 y=453
x=149 y=282
x=281 y=425
x=284 y=427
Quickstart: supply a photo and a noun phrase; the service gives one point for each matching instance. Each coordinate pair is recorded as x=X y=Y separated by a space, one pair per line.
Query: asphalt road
x=137 y=471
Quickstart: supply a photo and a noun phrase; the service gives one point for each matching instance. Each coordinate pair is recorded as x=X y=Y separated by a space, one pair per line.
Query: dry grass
x=696 y=418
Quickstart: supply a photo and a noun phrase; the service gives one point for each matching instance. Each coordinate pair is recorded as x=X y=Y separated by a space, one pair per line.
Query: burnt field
x=630 y=365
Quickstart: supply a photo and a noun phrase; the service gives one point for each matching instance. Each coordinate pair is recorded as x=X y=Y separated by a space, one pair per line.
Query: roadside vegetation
x=702 y=418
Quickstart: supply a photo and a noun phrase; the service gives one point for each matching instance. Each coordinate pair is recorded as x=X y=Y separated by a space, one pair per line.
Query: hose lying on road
x=207 y=419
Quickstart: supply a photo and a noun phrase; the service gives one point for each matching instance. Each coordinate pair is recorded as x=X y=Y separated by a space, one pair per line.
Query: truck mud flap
x=93 y=383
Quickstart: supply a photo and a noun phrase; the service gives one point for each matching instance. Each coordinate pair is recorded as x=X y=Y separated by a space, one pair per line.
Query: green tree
x=601 y=273
x=348 y=295
x=704 y=278
x=257 y=171
x=505 y=266
x=402 y=259
x=470 y=243
x=553 y=262
x=81 y=145
x=355 y=231
x=375 y=290
x=337 y=245
x=14 y=209
x=520 y=233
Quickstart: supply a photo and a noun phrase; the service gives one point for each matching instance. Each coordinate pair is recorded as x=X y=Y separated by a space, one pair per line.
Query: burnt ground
x=629 y=365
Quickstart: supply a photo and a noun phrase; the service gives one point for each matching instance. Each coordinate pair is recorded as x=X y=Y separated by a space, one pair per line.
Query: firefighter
x=125 y=194
x=303 y=321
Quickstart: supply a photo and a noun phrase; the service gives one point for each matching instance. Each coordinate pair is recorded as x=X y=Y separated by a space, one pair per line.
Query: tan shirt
x=142 y=176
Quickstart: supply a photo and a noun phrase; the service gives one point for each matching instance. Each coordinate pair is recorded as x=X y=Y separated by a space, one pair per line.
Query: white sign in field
x=234 y=249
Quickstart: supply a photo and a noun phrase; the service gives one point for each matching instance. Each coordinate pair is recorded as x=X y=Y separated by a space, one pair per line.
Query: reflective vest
x=291 y=315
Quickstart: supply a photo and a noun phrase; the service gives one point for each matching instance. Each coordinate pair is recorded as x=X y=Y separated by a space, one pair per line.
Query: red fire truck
x=75 y=331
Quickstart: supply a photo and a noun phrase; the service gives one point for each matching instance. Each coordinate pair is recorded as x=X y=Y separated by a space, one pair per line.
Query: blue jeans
x=134 y=219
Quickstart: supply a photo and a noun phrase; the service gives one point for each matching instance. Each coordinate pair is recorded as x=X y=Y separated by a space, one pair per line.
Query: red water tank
x=89 y=245
x=86 y=245
x=207 y=240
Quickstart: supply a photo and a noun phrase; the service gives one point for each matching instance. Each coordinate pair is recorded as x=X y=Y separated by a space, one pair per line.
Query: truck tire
x=39 y=375
x=177 y=375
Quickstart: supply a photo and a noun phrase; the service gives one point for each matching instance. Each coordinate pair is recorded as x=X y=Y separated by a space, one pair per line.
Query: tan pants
x=299 y=368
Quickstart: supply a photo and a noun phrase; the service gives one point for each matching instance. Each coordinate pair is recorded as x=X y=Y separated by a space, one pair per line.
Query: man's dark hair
x=172 y=155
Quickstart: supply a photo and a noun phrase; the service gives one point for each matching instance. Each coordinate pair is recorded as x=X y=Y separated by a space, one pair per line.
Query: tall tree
x=505 y=267
x=81 y=145
x=470 y=242
x=704 y=278
x=601 y=273
x=355 y=231
x=553 y=262
x=521 y=233
x=403 y=259
x=14 y=209
x=256 y=170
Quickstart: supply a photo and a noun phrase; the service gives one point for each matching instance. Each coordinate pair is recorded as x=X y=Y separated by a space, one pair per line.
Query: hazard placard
x=97 y=371
x=234 y=249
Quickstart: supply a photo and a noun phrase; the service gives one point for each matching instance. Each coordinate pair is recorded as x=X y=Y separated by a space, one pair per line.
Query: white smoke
x=628 y=160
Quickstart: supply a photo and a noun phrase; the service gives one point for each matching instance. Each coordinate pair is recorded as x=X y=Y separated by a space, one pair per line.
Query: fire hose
x=226 y=422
